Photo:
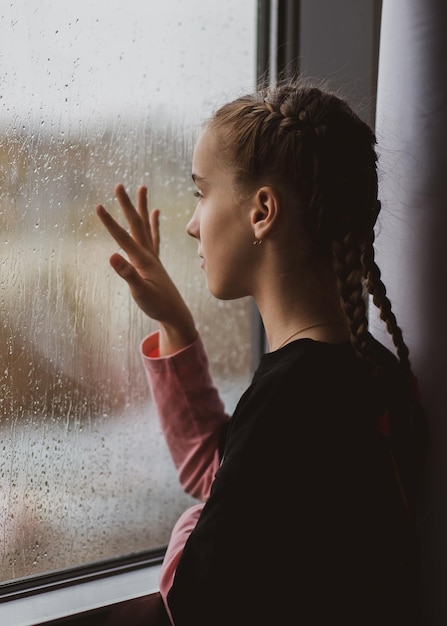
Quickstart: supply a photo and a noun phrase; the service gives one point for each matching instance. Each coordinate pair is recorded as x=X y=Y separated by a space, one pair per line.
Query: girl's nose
x=192 y=227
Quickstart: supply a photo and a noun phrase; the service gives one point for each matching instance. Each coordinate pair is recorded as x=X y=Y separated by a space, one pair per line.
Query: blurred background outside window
x=92 y=94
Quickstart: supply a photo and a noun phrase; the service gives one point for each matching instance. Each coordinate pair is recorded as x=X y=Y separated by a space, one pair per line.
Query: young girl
x=307 y=495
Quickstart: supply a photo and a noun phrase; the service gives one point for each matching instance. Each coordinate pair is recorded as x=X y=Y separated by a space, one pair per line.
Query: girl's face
x=221 y=224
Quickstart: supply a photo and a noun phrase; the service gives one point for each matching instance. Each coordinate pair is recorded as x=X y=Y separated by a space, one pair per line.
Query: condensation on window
x=91 y=96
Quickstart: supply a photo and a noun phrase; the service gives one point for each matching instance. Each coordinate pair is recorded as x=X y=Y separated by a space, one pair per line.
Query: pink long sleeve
x=179 y=536
x=192 y=416
x=190 y=410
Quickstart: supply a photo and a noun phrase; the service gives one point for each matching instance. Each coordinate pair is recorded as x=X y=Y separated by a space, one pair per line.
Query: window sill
x=80 y=597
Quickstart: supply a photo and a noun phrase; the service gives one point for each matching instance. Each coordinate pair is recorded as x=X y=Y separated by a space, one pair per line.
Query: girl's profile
x=307 y=496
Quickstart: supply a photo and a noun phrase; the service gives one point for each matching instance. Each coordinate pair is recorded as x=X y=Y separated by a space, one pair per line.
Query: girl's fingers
x=154 y=225
x=118 y=263
x=138 y=219
x=142 y=205
x=144 y=227
x=138 y=285
x=117 y=231
x=143 y=212
x=125 y=269
x=132 y=247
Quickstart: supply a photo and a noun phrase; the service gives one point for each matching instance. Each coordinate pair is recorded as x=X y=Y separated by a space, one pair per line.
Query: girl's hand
x=150 y=284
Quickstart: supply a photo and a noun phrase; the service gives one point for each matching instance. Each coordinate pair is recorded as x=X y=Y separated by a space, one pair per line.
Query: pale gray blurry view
x=92 y=94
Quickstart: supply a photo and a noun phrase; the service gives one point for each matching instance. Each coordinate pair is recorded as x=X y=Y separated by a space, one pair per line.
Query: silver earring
x=257 y=242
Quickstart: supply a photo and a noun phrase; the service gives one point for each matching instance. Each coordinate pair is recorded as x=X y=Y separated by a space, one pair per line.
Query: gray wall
x=339 y=41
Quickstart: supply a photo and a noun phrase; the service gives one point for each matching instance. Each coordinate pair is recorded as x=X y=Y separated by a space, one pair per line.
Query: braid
x=410 y=446
x=377 y=289
x=348 y=270
x=276 y=121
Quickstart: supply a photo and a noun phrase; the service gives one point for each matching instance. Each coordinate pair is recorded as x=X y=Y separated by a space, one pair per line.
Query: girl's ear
x=265 y=211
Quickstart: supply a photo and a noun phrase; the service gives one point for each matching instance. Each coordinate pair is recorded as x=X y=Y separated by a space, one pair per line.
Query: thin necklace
x=298 y=332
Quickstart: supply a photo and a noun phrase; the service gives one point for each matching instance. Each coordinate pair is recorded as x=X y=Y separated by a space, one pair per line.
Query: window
x=94 y=95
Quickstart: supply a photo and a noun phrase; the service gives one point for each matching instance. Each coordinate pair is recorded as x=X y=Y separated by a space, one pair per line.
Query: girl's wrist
x=176 y=336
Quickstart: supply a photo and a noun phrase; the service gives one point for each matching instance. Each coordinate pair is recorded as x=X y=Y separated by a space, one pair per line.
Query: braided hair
x=309 y=141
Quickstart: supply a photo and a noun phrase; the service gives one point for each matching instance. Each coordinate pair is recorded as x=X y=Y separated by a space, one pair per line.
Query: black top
x=305 y=523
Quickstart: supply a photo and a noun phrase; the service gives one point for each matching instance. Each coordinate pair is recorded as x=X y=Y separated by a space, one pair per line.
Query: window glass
x=92 y=94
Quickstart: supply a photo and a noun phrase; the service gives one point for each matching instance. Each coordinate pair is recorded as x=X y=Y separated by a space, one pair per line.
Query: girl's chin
x=222 y=293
